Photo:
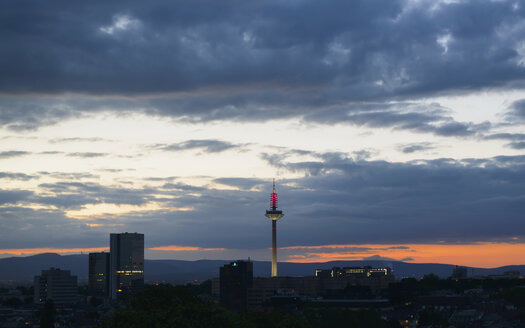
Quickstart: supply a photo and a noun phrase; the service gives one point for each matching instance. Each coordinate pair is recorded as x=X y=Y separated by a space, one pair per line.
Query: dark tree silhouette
x=47 y=318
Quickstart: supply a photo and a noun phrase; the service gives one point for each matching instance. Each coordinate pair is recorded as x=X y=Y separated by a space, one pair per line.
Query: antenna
x=274 y=215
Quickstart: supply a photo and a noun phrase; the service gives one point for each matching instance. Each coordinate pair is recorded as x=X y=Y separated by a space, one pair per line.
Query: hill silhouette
x=178 y=271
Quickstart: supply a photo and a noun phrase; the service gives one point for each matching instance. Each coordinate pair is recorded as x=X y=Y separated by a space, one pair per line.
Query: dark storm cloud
x=207 y=145
x=237 y=60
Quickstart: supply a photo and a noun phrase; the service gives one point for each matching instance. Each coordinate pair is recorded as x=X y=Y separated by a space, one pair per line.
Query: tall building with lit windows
x=98 y=284
x=126 y=263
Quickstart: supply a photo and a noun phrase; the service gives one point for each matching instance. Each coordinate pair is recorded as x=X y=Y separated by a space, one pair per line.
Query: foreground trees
x=169 y=306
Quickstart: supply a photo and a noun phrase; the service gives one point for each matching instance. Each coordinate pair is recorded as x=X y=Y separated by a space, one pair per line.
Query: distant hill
x=176 y=271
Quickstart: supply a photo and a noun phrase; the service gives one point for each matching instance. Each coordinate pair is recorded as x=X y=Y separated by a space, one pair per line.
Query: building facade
x=98 y=284
x=57 y=285
x=335 y=283
x=235 y=280
x=126 y=263
x=364 y=272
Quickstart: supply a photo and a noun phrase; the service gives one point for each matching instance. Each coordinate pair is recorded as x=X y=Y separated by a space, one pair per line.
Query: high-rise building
x=57 y=285
x=274 y=215
x=235 y=279
x=98 y=284
x=126 y=263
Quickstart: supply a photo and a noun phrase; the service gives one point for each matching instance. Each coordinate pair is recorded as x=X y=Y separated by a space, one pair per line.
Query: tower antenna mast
x=274 y=215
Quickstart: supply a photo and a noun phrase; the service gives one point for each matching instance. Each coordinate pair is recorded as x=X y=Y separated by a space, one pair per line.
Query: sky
x=395 y=129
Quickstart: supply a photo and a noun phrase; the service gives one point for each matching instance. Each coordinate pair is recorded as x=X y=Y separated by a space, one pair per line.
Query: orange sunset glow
x=32 y=251
x=483 y=255
x=174 y=248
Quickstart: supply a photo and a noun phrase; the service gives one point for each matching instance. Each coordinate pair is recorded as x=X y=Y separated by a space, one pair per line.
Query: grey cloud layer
x=13 y=153
x=207 y=145
x=415 y=147
x=517 y=111
x=17 y=153
x=517 y=140
x=17 y=176
x=408 y=116
x=202 y=60
x=339 y=201
x=129 y=47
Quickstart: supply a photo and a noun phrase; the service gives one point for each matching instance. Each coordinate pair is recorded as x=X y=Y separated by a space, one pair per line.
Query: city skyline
x=395 y=129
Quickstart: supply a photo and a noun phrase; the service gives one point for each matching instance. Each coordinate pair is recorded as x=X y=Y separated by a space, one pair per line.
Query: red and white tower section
x=274 y=215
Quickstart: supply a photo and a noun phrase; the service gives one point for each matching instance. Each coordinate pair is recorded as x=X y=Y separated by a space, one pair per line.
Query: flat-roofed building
x=366 y=272
x=57 y=285
x=98 y=284
x=126 y=263
x=235 y=280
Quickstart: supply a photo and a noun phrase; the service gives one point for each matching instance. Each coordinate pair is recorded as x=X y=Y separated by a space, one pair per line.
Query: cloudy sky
x=395 y=129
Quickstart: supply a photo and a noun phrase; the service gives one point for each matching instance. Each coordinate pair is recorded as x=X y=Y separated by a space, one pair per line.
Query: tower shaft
x=274 y=214
x=274 y=248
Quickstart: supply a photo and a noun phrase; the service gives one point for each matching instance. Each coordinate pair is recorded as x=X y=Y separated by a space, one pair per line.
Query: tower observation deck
x=274 y=215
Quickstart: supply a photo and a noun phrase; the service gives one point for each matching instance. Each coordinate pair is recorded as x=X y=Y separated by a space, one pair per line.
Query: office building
x=364 y=272
x=126 y=263
x=57 y=285
x=98 y=284
x=235 y=280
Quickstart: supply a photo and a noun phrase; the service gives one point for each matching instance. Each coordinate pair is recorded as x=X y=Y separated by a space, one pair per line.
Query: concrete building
x=235 y=280
x=57 y=285
x=98 y=283
x=126 y=263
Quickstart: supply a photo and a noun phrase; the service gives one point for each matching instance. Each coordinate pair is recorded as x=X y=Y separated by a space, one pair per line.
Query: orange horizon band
x=483 y=255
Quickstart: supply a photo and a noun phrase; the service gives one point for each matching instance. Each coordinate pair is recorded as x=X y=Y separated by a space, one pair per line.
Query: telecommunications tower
x=274 y=215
